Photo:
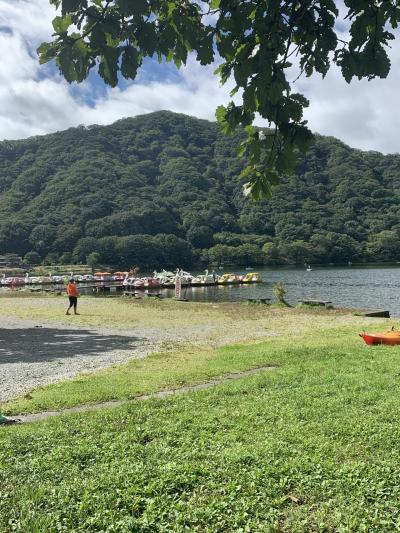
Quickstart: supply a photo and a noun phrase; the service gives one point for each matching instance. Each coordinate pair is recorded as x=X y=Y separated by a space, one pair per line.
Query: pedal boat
x=252 y=277
x=228 y=279
x=389 y=338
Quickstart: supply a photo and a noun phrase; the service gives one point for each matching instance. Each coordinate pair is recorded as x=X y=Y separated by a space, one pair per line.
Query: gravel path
x=34 y=354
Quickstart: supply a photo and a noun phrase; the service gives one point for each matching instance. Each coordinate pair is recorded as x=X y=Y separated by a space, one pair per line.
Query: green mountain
x=162 y=190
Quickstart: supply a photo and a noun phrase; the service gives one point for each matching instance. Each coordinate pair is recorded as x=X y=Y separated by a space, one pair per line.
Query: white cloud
x=34 y=100
x=363 y=114
x=197 y=93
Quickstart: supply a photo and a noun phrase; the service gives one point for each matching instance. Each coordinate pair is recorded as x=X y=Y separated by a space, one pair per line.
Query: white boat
x=185 y=277
x=204 y=279
x=166 y=278
x=129 y=281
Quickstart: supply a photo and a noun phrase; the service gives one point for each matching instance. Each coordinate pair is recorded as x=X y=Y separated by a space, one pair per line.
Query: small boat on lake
x=252 y=277
x=389 y=338
x=166 y=278
x=146 y=283
x=41 y=280
x=229 y=279
x=204 y=280
x=119 y=276
x=13 y=281
x=102 y=276
x=129 y=281
x=151 y=283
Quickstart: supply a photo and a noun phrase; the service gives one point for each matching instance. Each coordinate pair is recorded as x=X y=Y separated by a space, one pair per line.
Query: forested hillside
x=162 y=190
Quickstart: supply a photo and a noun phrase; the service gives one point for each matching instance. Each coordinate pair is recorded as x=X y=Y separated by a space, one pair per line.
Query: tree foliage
x=180 y=205
x=258 y=44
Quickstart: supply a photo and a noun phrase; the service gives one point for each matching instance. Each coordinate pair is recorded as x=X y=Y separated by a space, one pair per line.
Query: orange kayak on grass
x=389 y=337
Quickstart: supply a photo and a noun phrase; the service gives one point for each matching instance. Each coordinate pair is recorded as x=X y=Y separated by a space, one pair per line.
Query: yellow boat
x=228 y=279
x=252 y=277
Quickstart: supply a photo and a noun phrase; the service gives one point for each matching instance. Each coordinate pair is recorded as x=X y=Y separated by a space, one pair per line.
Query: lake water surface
x=376 y=288
x=357 y=287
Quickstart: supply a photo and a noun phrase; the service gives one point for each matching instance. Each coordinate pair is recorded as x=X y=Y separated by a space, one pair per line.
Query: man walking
x=73 y=293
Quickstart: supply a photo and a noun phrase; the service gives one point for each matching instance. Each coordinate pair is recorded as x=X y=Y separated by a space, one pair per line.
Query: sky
x=35 y=99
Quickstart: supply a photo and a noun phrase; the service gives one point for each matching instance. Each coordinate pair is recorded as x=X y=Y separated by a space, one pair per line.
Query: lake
x=358 y=287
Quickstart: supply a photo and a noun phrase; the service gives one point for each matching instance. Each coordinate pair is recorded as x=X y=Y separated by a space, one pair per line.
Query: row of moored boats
x=168 y=279
x=164 y=278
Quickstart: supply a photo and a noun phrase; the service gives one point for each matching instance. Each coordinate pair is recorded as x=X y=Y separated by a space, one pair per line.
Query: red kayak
x=389 y=337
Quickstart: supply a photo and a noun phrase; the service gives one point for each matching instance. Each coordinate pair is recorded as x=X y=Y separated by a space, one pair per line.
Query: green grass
x=311 y=446
x=181 y=365
x=162 y=370
x=178 y=364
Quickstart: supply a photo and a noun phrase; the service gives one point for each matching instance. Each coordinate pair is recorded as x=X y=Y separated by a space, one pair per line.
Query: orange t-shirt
x=72 y=289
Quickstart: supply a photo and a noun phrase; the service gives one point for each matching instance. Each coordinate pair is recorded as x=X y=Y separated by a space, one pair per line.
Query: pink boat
x=119 y=276
x=146 y=283
x=13 y=281
x=151 y=283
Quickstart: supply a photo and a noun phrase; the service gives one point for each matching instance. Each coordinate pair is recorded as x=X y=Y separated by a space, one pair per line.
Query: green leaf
x=66 y=64
x=111 y=26
x=61 y=24
x=97 y=37
x=108 y=68
x=47 y=52
x=70 y=6
x=147 y=38
x=130 y=63
x=133 y=7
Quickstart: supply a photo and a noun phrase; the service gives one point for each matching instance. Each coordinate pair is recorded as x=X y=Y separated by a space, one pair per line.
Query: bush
x=279 y=292
x=32 y=258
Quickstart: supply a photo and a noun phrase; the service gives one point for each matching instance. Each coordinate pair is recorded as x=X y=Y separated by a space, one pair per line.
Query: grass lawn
x=311 y=446
x=189 y=362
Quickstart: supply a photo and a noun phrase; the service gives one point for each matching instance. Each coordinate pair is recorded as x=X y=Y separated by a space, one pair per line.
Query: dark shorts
x=73 y=300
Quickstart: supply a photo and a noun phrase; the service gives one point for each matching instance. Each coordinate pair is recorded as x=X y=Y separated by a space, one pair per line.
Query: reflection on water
x=375 y=288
